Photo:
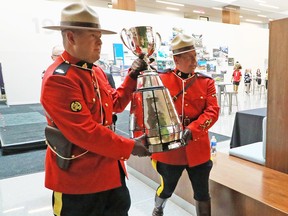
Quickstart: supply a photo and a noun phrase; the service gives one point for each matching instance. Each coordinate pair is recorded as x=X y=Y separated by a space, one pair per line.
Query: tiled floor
x=26 y=195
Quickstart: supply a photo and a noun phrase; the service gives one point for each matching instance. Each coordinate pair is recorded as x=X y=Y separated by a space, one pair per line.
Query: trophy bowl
x=141 y=40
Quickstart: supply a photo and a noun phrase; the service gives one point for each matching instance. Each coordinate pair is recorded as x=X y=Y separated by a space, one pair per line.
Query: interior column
x=231 y=14
x=124 y=5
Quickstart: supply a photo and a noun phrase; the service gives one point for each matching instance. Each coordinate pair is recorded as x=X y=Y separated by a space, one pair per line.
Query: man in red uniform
x=79 y=101
x=195 y=100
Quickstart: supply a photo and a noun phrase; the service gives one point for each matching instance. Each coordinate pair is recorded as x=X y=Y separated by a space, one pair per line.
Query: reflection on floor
x=26 y=195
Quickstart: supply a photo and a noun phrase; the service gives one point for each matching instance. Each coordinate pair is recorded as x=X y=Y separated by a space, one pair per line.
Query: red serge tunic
x=201 y=107
x=69 y=97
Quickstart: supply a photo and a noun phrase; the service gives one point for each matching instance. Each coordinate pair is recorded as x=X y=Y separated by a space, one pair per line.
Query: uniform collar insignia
x=84 y=65
x=183 y=75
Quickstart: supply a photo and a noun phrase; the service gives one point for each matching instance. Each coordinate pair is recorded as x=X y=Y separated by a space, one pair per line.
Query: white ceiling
x=249 y=9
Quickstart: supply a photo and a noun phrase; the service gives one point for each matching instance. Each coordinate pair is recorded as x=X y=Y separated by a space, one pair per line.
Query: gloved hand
x=187 y=135
x=137 y=66
x=139 y=147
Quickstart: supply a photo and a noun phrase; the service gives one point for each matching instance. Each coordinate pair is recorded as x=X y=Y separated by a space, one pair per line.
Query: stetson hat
x=182 y=43
x=79 y=16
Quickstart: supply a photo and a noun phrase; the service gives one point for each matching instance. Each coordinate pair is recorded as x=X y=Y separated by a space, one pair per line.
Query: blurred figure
x=247 y=80
x=258 y=77
x=266 y=79
x=236 y=76
x=56 y=52
x=105 y=67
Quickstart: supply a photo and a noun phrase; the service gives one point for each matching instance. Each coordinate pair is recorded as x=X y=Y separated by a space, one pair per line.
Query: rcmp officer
x=79 y=101
x=195 y=100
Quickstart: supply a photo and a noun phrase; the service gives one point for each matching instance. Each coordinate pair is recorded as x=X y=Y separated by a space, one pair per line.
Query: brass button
x=106 y=122
x=186 y=105
x=201 y=97
x=185 y=93
x=93 y=100
x=106 y=104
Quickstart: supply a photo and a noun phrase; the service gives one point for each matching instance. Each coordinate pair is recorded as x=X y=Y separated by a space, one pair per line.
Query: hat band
x=80 y=24
x=183 y=49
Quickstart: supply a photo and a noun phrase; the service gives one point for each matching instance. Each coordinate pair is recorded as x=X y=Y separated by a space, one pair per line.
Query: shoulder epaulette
x=199 y=74
x=168 y=70
x=62 y=69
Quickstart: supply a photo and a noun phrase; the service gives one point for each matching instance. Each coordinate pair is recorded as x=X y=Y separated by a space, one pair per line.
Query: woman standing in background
x=236 y=76
x=247 y=80
x=258 y=77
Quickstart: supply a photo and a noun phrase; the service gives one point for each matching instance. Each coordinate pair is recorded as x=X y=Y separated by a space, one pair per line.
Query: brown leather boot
x=203 y=208
x=159 y=206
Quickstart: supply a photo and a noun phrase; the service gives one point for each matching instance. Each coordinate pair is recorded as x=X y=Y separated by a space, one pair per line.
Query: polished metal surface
x=152 y=110
x=153 y=113
x=140 y=40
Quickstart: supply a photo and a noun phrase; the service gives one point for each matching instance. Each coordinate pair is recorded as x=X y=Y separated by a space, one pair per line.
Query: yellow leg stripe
x=161 y=187
x=57 y=203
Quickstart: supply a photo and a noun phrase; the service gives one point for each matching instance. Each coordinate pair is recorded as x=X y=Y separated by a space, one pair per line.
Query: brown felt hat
x=79 y=16
x=182 y=43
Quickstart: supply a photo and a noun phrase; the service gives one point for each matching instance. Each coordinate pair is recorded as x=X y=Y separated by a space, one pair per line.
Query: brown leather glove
x=140 y=149
x=187 y=135
x=137 y=66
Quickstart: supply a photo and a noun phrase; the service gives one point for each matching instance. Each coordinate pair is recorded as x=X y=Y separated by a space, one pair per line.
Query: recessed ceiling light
x=170 y=3
x=252 y=10
x=260 y=1
x=269 y=6
x=198 y=11
x=225 y=1
x=260 y=15
x=171 y=8
x=254 y=21
x=216 y=8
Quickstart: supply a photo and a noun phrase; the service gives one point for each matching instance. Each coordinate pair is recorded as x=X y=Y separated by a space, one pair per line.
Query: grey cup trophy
x=152 y=110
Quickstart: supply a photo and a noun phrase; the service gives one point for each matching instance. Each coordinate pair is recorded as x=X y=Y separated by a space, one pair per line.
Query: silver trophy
x=152 y=110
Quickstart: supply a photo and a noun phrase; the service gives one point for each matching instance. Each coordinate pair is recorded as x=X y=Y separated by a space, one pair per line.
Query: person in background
x=56 y=52
x=236 y=76
x=106 y=69
x=79 y=101
x=258 y=77
x=198 y=110
x=266 y=79
x=247 y=80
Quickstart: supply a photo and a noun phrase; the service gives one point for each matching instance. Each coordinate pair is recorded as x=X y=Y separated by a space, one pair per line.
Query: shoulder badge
x=61 y=69
x=199 y=74
x=76 y=106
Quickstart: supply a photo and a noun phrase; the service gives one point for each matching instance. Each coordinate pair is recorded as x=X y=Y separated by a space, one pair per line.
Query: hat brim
x=103 y=31
x=185 y=51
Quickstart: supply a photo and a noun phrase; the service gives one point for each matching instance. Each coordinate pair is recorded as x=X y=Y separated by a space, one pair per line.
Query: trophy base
x=163 y=147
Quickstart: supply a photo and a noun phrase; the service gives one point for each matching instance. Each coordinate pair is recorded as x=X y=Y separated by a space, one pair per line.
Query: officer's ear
x=70 y=36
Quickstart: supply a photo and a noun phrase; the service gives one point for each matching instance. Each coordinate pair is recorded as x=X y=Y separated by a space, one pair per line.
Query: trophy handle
x=159 y=40
x=121 y=36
